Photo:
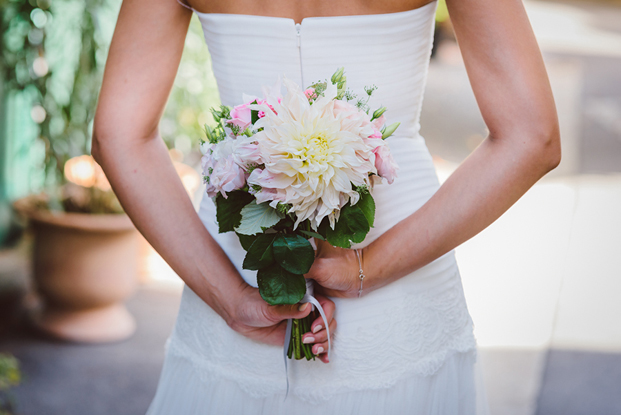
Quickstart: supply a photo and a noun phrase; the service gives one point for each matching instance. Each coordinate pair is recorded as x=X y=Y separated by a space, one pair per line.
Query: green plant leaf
x=254 y=114
x=278 y=286
x=228 y=211
x=294 y=253
x=352 y=226
x=367 y=205
x=312 y=234
x=246 y=240
x=255 y=218
x=260 y=254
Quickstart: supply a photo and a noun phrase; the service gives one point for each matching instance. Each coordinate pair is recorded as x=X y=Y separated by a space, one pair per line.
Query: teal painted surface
x=21 y=155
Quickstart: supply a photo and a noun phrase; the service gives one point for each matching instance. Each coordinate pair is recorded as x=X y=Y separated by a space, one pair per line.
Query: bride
x=406 y=345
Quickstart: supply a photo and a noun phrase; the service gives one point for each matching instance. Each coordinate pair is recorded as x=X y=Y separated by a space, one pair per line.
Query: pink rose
x=221 y=174
x=241 y=116
x=247 y=152
x=384 y=163
x=378 y=123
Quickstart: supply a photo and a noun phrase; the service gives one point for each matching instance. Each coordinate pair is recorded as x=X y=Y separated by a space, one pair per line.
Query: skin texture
x=509 y=81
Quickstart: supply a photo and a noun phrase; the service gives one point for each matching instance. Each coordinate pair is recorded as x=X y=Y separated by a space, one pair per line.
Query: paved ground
x=542 y=283
x=72 y=379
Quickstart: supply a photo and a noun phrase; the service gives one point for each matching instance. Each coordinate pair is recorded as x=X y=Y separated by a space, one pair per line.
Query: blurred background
x=86 y=305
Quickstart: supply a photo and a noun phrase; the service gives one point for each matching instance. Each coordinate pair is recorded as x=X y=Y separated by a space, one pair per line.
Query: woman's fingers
x=328 y=309
x=320 y=348
x=319 y=336
x=277 y=313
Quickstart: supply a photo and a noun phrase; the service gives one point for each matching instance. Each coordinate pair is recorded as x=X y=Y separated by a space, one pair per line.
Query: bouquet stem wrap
x=308 y=298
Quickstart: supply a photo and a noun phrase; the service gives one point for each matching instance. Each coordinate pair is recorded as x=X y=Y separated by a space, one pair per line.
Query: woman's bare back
x=298 y=10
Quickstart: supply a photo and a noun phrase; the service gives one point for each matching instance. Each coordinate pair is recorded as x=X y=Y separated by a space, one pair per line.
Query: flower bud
x=378 y=113
x=388 y=131
x=338 y=76
x=216 y=114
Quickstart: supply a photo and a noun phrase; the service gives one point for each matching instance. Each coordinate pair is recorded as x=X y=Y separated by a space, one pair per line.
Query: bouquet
x=289 y=167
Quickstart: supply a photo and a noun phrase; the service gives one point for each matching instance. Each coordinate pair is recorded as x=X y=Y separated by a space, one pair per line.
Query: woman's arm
x=141 y=67
x=511 y=86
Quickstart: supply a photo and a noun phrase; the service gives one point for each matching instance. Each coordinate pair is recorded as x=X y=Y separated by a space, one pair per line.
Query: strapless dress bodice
x=390 y=51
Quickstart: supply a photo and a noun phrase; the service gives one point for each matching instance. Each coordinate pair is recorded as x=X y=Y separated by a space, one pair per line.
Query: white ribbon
x=308 y=298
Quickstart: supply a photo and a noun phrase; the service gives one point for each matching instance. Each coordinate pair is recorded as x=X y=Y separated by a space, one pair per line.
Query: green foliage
x=257 y=217
x=228 y=210
x=194 y=93
x=260 y=252
x=442 y=14
x=311 y=234
x=9 y=372
x=294 y=253
x=246 y=240
x=10 y=376
x=353 y=225
x=278 y=286
x=56 y=50
x=367 y=205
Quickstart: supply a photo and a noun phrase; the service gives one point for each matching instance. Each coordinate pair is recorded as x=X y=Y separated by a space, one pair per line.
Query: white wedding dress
x=407 y=348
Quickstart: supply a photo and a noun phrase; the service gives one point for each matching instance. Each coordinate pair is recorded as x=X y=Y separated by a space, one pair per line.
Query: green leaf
x=367 y=205
x=278 y=286
x=255 y=218
x=254 y=114
x=246 y=240
x=294 y=253
x=312 y=234
x=260 y=253
x=228 y=211
x=352 y=226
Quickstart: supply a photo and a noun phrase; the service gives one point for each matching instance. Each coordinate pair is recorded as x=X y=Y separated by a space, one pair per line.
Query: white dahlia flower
x=313 y=155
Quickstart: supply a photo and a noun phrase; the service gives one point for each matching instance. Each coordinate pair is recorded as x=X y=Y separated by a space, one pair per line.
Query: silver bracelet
x=360 y=271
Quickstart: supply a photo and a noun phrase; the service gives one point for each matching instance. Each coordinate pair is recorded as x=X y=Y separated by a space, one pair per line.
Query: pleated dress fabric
x=407 y=348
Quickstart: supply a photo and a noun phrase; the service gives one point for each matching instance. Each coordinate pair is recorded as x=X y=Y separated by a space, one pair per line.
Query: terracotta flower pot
x=84 y=268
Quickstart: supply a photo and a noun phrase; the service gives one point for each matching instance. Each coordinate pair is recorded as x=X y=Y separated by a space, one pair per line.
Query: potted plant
x=85 y=249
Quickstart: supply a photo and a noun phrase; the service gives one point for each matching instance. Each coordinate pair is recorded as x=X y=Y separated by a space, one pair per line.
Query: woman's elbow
x=549 y=147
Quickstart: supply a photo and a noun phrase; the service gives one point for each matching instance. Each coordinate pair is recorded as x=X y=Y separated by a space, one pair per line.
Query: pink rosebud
x=384 y=163
x=241 y=116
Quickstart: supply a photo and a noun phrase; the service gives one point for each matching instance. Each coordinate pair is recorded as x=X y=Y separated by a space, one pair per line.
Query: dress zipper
x=298 y=28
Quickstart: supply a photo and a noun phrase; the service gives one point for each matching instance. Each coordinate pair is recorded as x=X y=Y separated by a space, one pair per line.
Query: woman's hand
x=257 y=320
x=336 y=271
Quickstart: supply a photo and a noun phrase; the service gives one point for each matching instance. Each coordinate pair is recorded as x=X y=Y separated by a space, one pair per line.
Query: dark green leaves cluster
x=228 y=210
x=283 y=255
x=354 y=223
x=282 y=260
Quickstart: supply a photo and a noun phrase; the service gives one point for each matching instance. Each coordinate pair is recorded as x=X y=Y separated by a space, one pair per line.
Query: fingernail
x=319 y=350
x=303 y=307
x=317 y=328
x=308 y=340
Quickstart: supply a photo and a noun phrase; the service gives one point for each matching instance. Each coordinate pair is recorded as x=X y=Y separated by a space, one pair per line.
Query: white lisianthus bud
x=388 y=131
x=378 y=113
x=338 y=76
